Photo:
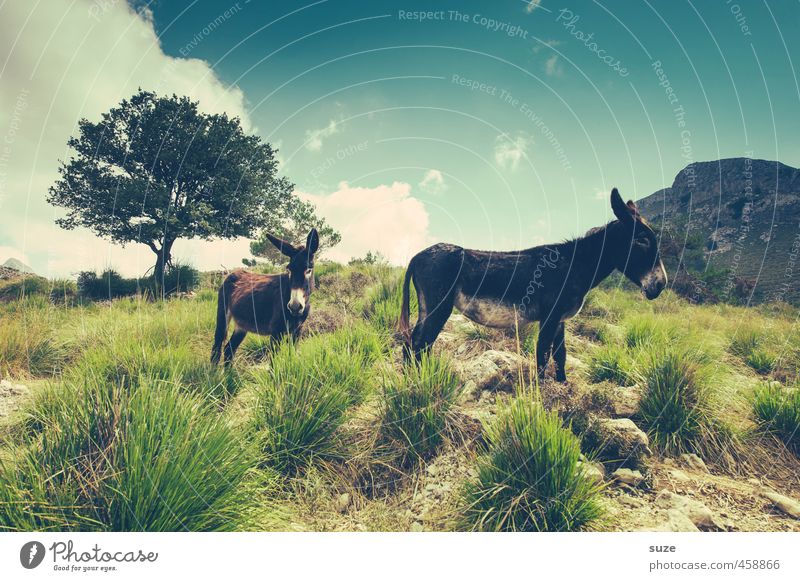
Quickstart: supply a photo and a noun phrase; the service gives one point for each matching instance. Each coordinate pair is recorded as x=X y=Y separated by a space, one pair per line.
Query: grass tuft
x=611 y=363
x=777 y=409
x=530 y=478
x=110 y=459
x=417 y=407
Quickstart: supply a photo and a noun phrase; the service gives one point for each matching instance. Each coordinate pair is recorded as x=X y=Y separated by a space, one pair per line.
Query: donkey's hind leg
x=560 y=354
x=235 y=340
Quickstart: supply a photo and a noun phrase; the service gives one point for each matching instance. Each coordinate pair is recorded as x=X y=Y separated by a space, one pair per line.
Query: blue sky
x=493 y=125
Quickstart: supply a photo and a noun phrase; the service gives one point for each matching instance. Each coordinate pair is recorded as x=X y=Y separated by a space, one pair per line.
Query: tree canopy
x=155 y=169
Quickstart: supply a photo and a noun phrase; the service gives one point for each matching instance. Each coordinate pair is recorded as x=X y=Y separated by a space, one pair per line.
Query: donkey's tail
x=403 y=326
x=222 y=322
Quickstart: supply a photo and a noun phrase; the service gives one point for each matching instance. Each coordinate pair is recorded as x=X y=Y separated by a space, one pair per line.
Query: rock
x=492 y=370
x=679 y=475
x=416 y=527
x=678 y=522
x=594 y=471
x=630 y=501
x=11 y=395
x=693 y=462
x=343 y=502
x=618 y=439
x=627 y=476
x=700 y=515
x=624 y=401
x=786 y=505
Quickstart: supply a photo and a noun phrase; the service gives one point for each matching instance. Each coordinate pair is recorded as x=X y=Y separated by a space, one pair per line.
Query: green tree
x=300 y=219
x=155 y=170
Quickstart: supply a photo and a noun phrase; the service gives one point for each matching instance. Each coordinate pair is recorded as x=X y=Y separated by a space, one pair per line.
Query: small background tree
x=155 y=169
x=299 y=220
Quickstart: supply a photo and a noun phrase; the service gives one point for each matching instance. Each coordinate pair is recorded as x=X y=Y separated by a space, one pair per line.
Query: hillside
x=738 y=218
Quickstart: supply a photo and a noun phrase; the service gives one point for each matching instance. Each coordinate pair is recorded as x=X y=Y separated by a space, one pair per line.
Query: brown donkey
x=267 y=304
x=546 y=283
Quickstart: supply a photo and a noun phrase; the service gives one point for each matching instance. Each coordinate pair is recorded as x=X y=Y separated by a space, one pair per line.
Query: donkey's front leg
x=560 y=354
x=544 y=346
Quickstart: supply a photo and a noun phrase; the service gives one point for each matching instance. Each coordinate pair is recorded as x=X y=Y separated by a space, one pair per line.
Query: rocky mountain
x=732 y=229
x=17 y=265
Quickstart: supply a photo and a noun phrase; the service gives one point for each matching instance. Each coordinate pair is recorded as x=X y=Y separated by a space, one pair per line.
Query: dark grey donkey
x=547 y=284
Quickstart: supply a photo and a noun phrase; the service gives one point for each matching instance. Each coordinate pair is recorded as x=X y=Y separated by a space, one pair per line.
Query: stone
x=492 y=370
x=693 y=462
x=630 y=501
x=594 y=471
x=343 y=502
x=627 y=476
x=679 y=475
x=678 y=522
x=786 y=505
x=618 y=439
x=700 y=515
x=624 y=401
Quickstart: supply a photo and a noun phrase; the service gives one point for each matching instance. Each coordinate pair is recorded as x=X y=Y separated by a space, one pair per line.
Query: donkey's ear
x=621 y=210
x=312 y=242
x=285 y=247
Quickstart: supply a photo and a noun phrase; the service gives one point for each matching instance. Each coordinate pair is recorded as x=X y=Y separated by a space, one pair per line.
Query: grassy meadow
x=126 y=425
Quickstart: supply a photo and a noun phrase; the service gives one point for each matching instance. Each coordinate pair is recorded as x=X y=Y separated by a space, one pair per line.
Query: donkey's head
x=300 y=269
x=638 y=257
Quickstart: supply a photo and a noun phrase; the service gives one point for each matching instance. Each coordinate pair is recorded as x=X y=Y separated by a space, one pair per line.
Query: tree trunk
x=163 y=258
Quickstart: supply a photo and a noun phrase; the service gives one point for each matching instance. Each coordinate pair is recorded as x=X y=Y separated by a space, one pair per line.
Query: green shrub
x=678 y=410
x=611 y=363
x=108 y=285
x=417 y=407
x=644 y=331
x=529 y=478
x=110 y=459
x=299 y=409
x=777 y=409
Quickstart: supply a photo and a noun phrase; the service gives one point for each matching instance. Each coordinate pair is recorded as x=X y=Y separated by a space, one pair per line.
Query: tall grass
x=777 y=409
x=110 y=459
x=752 y=345
x=301 y=404
x=611 y=363
x=529 y=478
x=417 y=407
x=678 y=407
x=383 y=301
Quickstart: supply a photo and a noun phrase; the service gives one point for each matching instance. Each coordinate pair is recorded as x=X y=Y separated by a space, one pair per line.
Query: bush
x=647 y=331
x=761 y=360
x=110 y=459
x=417 y=407
x=299 y=408
x=109 y=285
x=611 y=363
x=678 y=411
x=529 y=478
x=777 y=409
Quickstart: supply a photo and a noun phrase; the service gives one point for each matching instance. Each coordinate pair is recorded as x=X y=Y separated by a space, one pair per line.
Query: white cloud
x=548 y=43
x=508 y=152
x=552 y=67
x=386 y=218
x=315 y=137
x=74 y=60
x=433 y=182
x=532 y=5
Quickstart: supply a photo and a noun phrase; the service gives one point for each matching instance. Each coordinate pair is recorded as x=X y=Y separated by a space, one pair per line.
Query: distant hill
x=17 y=265
x=732 y=229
